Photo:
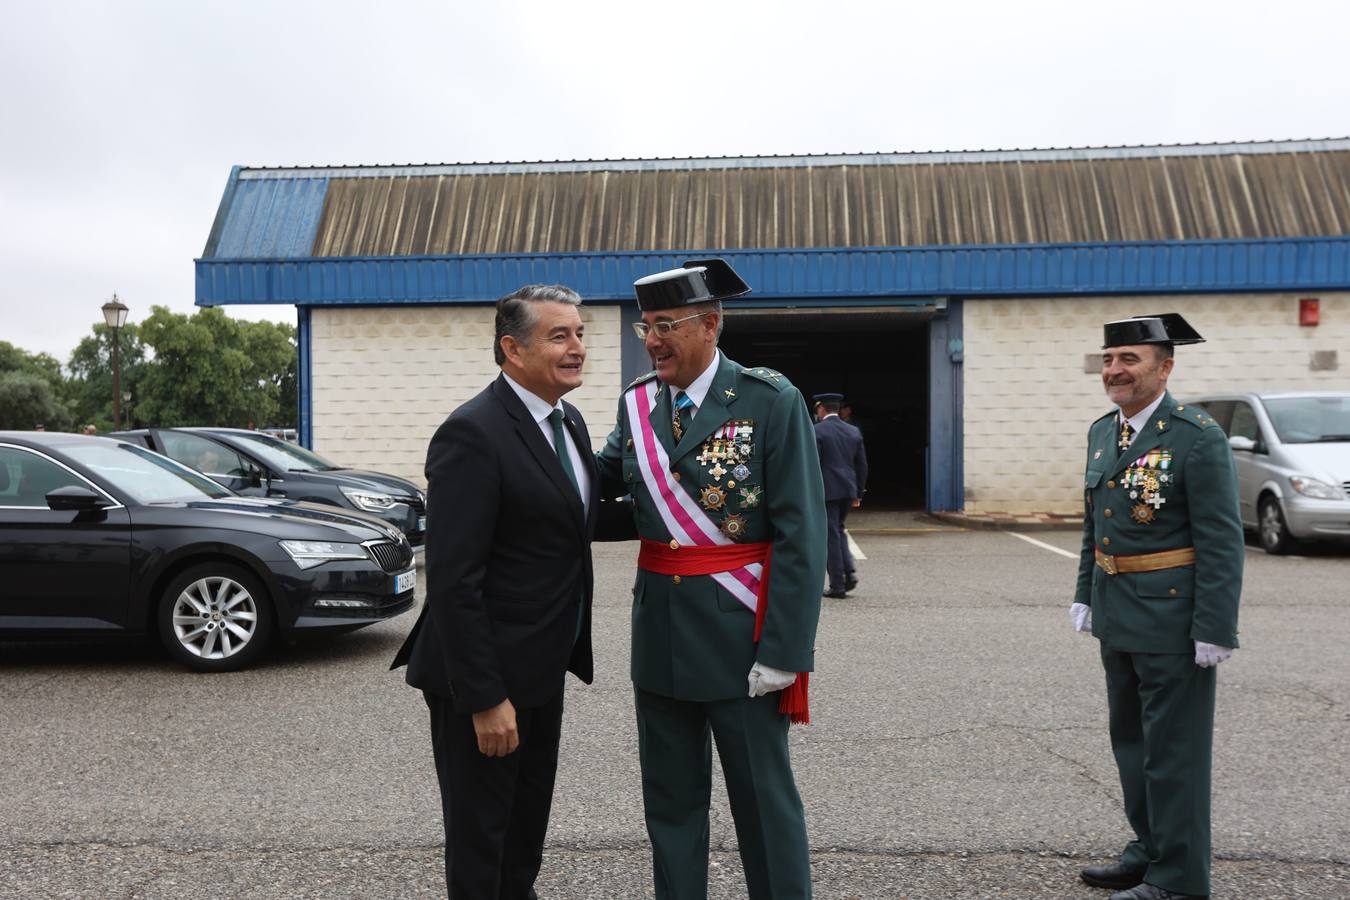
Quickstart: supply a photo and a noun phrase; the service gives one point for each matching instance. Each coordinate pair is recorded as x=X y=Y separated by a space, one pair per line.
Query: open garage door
x=877 y=357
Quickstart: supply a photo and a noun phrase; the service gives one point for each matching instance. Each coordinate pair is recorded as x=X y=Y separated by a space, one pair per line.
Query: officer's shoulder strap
x=1197 y=416
x=641 y=379
x=768 y=376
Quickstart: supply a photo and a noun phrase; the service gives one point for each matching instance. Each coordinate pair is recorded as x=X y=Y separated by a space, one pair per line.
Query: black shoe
x=1151 y=892
x=1113 y=875
x=850 y=582
x=836 y=595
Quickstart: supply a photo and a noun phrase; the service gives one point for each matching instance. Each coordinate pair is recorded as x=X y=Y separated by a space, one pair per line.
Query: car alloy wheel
x=1275 y=536
x=215 y=617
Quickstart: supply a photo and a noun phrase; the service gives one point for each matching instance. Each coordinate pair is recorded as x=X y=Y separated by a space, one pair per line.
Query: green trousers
x=1162 y=734
x=674 y=747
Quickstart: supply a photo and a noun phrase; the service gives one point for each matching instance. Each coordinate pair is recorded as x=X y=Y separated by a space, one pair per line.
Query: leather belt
x=1145 y=562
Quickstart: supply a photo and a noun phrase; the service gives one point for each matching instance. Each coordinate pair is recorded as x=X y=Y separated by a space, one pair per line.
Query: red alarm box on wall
x=1307 y=311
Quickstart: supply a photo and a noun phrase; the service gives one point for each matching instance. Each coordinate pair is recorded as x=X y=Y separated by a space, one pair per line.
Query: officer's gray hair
x=518 y=313
x=712 y=306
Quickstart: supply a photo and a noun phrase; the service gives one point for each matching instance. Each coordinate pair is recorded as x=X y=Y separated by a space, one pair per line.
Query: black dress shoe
x=1151 y=892
x=850 y=582
x=1113 y=875
x=836 y=595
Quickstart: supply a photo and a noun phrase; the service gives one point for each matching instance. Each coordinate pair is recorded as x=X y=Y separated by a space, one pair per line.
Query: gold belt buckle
x=1107 y=563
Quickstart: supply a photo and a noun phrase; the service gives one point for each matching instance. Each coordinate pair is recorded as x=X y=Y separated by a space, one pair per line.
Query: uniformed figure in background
x=1158 y=585
x=721 y=463
x=843 y=465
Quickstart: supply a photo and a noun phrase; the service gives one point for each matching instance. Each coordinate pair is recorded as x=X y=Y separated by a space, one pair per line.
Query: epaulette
x=1195 y=415
x=768 y=376
x=646 y=376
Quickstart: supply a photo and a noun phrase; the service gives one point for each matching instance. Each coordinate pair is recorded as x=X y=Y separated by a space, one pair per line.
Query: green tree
x=209 y=369
x=89 y=387
x=27 y=399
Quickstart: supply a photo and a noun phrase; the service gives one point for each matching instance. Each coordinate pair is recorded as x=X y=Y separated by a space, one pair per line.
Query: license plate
x=405 y=581
x=421 y=523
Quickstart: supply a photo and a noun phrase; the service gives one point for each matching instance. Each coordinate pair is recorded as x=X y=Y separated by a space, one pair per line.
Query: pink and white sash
x=683 y=517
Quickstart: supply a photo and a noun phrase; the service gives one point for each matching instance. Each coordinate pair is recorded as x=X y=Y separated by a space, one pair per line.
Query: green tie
x=560 y=447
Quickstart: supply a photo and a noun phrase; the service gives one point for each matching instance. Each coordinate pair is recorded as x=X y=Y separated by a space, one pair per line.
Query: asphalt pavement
x=958 y=749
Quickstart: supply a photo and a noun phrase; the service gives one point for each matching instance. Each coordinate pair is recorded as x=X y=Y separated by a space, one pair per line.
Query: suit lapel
x=533 y=438
x=660 y=418
x=713 y=413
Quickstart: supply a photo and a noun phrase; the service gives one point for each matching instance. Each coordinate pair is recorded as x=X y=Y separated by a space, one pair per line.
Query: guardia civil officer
x=843 y=466
x=1158 y=585
x=721 y=463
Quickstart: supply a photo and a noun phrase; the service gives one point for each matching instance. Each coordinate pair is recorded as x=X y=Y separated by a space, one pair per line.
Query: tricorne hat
x=698 y=281
x=1163 y=328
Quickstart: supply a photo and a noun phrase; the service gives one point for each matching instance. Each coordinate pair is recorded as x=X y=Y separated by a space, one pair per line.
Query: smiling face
x=548 y=364
x=682 y=355
x=1134 y=375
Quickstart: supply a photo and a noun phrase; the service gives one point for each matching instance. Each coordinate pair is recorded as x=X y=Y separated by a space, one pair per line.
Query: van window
x=1221 y=411
x=1244 y=422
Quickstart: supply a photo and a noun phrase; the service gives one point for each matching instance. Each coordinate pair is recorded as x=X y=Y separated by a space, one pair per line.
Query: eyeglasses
x=662 y=328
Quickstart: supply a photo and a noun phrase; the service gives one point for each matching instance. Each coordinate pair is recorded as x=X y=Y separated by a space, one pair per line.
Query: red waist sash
x=663 y=559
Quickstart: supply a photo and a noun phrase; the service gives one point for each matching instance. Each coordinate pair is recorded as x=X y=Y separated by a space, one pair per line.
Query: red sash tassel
x=657 y=557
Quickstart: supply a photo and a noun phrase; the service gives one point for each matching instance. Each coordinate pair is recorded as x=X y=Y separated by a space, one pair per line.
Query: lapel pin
x=730 y=393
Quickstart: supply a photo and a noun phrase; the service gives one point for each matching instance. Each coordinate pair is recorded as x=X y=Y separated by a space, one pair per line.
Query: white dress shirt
x=539 y=409
x=1139 y=420
x=698 y=388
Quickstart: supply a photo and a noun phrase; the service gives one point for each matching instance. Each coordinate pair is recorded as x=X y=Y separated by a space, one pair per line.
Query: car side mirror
x=77 y=498
x=1238 y=442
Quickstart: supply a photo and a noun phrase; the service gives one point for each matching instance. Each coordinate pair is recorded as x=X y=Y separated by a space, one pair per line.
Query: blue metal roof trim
x=852 y=273
x=272 y=219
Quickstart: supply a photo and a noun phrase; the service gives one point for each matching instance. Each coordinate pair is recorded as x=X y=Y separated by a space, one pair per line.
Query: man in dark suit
x=843 y=466
x=511 y=509
x=1158 y=584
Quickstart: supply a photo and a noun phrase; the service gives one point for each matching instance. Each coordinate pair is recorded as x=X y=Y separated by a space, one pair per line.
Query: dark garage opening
x=877 y=358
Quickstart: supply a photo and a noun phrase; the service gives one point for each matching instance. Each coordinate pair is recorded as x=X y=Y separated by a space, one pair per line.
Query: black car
x=256 y=464
x=103 y=537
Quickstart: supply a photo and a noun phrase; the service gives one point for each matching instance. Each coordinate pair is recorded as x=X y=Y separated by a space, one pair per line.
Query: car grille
x=416 y=503
x=1347 y=488
x=391 y=556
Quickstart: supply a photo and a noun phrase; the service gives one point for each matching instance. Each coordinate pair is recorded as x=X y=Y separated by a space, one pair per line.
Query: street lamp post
x=115 y=314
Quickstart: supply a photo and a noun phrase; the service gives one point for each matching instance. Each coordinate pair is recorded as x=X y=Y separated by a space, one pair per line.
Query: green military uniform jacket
x=693 y=640
x=1173 y=488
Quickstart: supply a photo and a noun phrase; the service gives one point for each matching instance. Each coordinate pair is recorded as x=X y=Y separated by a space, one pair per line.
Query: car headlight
x=1318 y=490
x=308 y=554
x=369 y=500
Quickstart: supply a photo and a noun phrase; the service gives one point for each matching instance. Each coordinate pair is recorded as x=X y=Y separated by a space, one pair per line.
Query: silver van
x=1292 y=455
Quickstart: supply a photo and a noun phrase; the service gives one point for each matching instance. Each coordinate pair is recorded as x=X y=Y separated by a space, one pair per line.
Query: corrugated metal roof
x=867 y=204
x=784 y=277
x=275 y=218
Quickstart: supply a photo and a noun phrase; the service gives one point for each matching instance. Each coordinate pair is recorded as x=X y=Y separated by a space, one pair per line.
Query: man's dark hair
x=517 y=316
x=1165 y=351
x=830 y=405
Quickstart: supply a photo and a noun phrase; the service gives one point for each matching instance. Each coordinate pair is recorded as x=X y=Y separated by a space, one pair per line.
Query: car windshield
x=1310 y=420
x=283 y=456
x=143 y=475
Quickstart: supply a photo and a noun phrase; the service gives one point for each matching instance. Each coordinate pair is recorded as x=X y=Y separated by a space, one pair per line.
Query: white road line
x=1043 y=545
x=853 y=546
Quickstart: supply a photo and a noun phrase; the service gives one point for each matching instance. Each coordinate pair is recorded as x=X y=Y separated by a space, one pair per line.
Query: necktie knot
x=684 y=401
x=555 y=418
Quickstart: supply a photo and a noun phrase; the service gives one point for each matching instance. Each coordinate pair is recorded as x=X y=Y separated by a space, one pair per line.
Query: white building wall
x=384 y=378
x=1028 y=401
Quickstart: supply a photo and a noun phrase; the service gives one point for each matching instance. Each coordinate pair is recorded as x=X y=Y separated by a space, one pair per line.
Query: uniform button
x=1106 y=541
x=1106 y=513
x=730 y=485
x=628 y=477
x=674 y=544
x=1172 y=591
x=630 y=443
x=677 y=476
x=676 y=579
x=1111 y=484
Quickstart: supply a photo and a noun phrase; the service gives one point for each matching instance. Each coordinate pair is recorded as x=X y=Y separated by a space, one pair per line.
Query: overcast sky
x=121 y=120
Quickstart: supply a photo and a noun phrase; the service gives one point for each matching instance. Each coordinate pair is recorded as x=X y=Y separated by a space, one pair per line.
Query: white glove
x=1207 y=655
x=766 y=679
x=1081 y=614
